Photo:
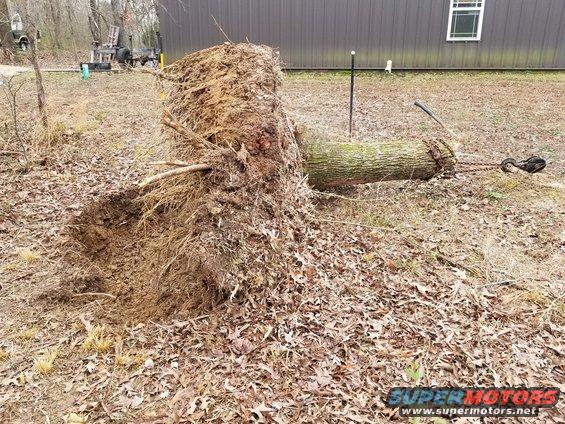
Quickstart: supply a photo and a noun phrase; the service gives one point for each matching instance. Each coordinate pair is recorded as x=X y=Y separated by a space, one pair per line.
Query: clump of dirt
x=190 y=240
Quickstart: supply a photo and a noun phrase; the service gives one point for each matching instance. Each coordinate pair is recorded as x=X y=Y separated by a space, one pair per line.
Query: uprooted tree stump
x=225 y=219
x=191 y=239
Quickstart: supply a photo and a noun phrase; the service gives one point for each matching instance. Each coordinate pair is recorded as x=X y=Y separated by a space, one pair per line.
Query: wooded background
x=72 y=25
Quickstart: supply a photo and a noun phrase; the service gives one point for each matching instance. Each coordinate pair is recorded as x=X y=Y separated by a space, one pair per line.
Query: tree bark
x=32 y=56
x=55 y=10
x=118 y=16
x=330 y=163
x=94 y=20
x=5 y=30
x=31 y=32
x=41 y=102
x=71 y=20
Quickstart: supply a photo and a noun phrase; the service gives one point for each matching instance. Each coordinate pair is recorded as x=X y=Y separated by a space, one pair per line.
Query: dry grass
x=4 y=354
x=27 y=334
x=73 y=418
x=45 y=362
x=54 y=134
x=130 y=361
x=28 y=255
x=9 y=267
x=77 y=327
x=97 y=340
x=123 y=361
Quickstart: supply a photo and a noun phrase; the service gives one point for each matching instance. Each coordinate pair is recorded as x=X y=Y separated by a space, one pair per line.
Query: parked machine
x=18 y=35
x=101 y=56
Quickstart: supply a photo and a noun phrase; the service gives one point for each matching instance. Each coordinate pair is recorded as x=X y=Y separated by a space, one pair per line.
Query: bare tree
x=5 y=30
x=144 y=21
x=55 y=11
x=31 y=32
x=71 y=21
x=11 y=89
x=118 y=14
x=94 y=20
x=41 y=100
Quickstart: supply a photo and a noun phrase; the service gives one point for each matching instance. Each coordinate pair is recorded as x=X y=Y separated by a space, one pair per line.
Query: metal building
x=414 y=34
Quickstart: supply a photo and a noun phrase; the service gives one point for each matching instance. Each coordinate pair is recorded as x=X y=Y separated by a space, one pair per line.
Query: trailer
x=101 y=56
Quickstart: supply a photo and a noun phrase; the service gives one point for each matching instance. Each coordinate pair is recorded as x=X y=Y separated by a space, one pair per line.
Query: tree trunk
x=331 y=163
x=55 y=9
x=41 y=102
x=118 y=16
x=94 y=20
x=71 y=20
x=5 y=30
x=31 y=32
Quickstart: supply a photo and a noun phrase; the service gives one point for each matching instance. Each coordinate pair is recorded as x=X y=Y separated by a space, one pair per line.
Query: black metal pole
x=351 y=92
x=161 y=54
x=159 y=40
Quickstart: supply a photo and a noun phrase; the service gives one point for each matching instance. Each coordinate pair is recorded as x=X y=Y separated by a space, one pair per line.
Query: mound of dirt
x=188 y=241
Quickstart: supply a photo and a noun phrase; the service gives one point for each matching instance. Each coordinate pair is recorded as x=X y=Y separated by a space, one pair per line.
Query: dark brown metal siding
x=319 y=34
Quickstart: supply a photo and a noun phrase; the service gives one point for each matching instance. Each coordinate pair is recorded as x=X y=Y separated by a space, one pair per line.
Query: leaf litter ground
x=382 y=309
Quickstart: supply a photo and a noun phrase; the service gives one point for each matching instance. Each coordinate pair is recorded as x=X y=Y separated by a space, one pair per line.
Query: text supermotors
x=472 y=401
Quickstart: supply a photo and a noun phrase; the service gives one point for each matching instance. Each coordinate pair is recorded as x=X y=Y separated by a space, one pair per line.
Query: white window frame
x=481 y=10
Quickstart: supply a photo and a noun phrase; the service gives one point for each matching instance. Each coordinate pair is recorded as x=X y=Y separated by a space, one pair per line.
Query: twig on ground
x=439 y=255
x=10 y=153
x=498 y=283
x=21 y=277
x=446 y=259
x=157 y=74
x=337 y=221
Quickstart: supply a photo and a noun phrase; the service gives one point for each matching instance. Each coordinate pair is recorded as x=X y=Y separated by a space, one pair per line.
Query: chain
x=478 y=166
x=464 y=162
x=436 y=155
x=484 y=168
x=440 y=160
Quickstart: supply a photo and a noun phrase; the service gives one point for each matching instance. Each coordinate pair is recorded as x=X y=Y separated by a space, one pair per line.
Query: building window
x=465 y=20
